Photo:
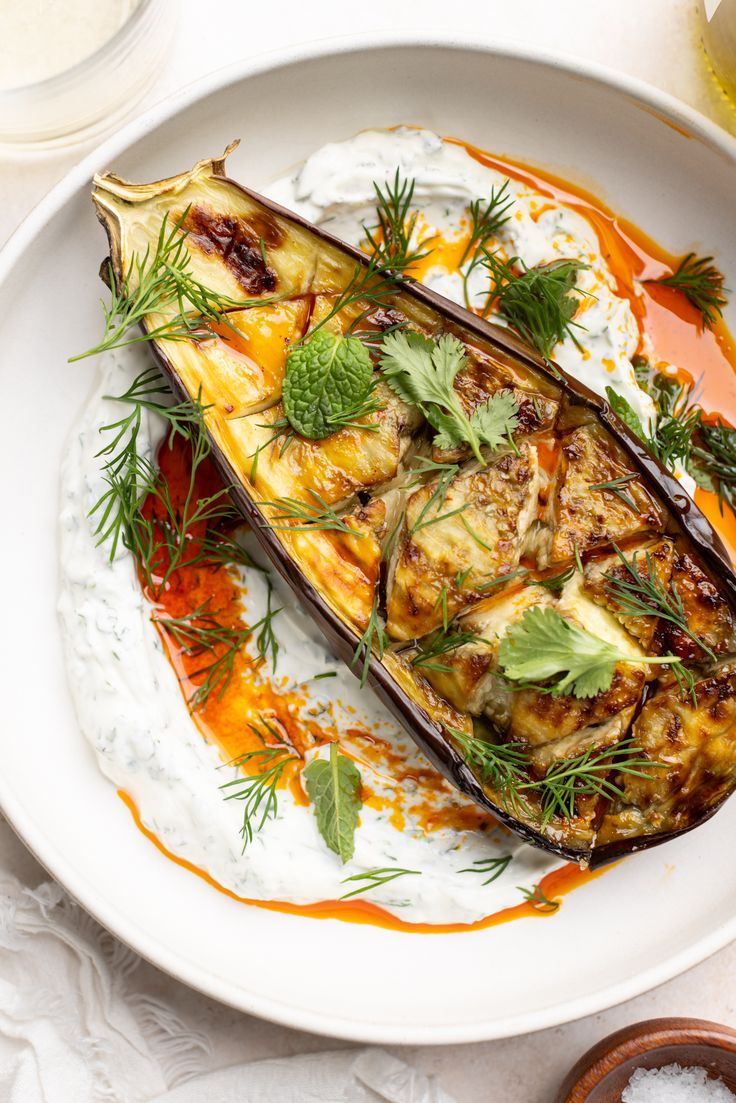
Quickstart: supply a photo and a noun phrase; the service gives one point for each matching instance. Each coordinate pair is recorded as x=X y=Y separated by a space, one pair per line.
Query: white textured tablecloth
x=81 y=1018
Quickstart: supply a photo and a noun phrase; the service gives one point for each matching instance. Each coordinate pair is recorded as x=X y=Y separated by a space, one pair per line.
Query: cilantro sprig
x=422 y=373
x=545 y=651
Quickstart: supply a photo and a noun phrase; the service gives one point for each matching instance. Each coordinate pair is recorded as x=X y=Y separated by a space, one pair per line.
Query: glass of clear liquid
x=718 y=26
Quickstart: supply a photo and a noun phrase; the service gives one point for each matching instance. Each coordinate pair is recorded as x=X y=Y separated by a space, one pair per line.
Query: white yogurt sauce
x=129 y=703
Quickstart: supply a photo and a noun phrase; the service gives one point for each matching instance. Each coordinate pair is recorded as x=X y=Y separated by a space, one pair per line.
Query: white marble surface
x=656 y=40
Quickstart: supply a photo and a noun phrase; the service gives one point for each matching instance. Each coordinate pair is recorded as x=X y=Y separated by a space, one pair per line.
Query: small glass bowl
x=97 y=92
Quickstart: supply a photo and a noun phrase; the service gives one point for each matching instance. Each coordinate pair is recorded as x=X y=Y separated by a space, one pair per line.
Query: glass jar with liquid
x=70 y=68
x=718 y=25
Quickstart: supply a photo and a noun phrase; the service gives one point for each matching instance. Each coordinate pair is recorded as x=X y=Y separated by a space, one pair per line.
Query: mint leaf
x=333 y=786
x=326 y=382
x=623 y=409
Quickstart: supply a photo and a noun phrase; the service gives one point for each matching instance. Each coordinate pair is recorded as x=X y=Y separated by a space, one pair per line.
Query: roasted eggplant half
x=519 y=579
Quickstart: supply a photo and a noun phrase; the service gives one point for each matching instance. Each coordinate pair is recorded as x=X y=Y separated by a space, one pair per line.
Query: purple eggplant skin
x=427 y=733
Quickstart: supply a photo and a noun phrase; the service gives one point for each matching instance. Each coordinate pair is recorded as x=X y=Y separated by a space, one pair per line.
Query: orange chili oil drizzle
x=554 y=886
x=676 y=335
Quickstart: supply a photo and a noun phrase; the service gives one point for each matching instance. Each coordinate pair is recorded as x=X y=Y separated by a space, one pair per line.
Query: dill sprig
x=678 y=422
x=538 y=302
x=371 y=283
x=448 y=639
x=641 y=594
x=375 y=879
x=283 y=431
x=445 y=472
x=373 y=640
x=500 y=579
x=486 y=219
x=485 y=222
x=156 y=281
x=258 y=791
x=200 y=633
x=158 y=531
x=715 y=453
x=541 y=903
x=618 y=487
x=505 y=767
x=441 y=604
x=267 y=644
x=137 y=509
x=702 y=284
x=390 y=240
x=587 y=774
x=555 y=581
x=495 y=867
x=127 y=479
x=321 y=516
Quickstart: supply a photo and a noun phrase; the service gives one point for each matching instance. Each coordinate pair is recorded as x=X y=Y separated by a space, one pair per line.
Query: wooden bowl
x=603 y=1072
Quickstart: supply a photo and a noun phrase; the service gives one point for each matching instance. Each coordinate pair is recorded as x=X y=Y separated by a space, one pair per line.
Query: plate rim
x=672 y=112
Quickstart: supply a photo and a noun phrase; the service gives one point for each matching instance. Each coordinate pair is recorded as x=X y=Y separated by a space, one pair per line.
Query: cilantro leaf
x=422 y=372
x=625 y=411
x=544 y=645
x=333 y=786
x=327 y=381
x=497 y=418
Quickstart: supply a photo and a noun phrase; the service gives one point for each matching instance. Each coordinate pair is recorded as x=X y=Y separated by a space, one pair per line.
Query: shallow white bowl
x=644 y=921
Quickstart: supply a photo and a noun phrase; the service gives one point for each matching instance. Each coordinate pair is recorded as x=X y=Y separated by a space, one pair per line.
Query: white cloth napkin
x=73 y=1029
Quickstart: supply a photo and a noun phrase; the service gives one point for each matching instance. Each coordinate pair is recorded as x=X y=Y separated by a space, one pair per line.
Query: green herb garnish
x=715 y=457
x=333 y=786
x=422 y=373
x=328 y=384
x=538 y=302
x=641 y=594
x=586 y=775
x=200 y=633
x=448 y=639
x=542 y=646
x=258 y=791
x=375 y=878
x=495 y=867
x=535 y=896
x=553 y=582
x=625 y=411
x=618 y=487
x=392 y=244
x=374 y=638
x=160 y=538
x=702 y=285
x=320 y=516
x=486 y=219
x=159 y=280
x=503 y=766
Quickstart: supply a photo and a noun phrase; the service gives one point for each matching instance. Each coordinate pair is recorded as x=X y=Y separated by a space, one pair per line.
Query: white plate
x=642 y=922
